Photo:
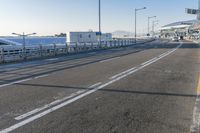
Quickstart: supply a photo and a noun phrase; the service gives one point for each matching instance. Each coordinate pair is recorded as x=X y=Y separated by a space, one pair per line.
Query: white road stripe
x=24 y=80
x=103 y=61
x=16 y=82
x=42 y=76
x=95 y=85
x=53 y=103
x=149 y=61
x=122 y=73
x=52 y=59
x=33 y=118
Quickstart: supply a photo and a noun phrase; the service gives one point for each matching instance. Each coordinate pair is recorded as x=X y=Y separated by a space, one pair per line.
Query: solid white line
x=31 y=119
x=52 y=59
x=95 y=85
x=103 y=61
x=24 y=80
x=42 y=76
x=53 y=103
x=16 y=82
x=117 y=75
x=149 y=61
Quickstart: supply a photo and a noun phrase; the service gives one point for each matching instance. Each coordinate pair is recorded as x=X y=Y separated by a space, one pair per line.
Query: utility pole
x=136 y=10
x=198 y=15
x=100 y=23
x=149 y=24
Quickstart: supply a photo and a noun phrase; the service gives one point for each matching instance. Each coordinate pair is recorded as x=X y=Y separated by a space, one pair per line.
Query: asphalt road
x=147 y=88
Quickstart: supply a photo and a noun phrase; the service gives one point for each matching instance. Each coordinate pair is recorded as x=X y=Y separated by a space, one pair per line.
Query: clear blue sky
x=48 y=17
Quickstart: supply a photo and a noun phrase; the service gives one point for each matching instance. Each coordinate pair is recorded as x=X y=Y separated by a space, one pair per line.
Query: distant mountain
x=121 y=33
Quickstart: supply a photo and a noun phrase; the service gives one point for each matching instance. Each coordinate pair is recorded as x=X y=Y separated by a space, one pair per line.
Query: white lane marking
x=24 y=80
x=95 y=85
x=53 y=103
x=103 y=61
x=52 y=59
x=149 y=61
x=122 y=73
x=33 y=118
x=42 y=76
x=16 y=82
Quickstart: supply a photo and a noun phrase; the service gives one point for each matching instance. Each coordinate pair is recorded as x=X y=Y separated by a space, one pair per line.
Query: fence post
x=55 y=50
x=67 y=48
x=24 y=52
x=2 y=55
x=85 y=47
x=76 y=47
x=41 y=50
x=92 y=46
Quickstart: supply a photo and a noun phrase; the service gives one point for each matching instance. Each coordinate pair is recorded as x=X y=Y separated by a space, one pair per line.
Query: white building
x=87 y=37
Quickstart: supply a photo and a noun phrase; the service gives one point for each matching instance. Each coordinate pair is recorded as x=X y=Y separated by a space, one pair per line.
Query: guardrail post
x=67 y=48
x=41 y=51
x=76 y=47
x=55 y=50
x=24 y=52
x=92 y=46
x=2 y=55
x=85 y=47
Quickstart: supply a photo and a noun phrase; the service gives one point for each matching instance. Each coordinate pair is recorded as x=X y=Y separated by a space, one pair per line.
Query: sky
x=49 y=17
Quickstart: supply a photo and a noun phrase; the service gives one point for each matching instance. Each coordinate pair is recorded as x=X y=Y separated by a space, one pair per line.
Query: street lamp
x=153 y=25
x=100 y=23
x=136 y=10
x=24 y=41
x=149 y=24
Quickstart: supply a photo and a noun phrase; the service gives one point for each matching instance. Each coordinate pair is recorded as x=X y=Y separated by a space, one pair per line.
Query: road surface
x=147 y=88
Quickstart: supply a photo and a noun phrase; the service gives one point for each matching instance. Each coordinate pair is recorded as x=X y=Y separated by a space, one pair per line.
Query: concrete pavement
x=138 y=89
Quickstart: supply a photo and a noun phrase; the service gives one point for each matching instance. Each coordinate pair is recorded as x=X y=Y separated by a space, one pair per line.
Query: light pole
x=136 y=10
x=153 y=26
x=24 y=41
x=100 y=23
x=149 y=24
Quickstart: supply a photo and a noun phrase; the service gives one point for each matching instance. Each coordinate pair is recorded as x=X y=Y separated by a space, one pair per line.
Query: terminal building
x=189 y=29
x=88 y=37
x=182 y=28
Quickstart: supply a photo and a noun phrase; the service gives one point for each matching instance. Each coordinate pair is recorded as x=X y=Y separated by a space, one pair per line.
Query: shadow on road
x=113 y=90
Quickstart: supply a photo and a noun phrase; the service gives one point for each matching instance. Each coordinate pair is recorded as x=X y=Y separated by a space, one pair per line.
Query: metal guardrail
x=17 y=53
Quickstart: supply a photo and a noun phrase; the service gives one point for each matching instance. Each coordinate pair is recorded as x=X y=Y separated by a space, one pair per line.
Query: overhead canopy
x=179 y=25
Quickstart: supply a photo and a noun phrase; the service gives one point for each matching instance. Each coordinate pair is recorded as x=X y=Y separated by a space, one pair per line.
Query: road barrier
x=12 y=53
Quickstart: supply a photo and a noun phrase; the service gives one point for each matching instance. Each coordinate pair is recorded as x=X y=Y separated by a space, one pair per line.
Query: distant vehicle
x=181 y=37
x=175 y=39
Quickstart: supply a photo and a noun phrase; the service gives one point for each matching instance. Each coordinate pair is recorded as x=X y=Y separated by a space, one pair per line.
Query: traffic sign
x=192 y=11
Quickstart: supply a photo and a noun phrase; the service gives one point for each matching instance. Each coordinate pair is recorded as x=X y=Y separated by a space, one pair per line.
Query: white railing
x=17 y=53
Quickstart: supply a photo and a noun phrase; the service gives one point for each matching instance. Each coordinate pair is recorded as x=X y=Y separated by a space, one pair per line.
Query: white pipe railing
x=16 y=53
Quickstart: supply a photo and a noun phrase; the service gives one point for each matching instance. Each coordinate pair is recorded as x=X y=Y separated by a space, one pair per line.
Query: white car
x=175 y=39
